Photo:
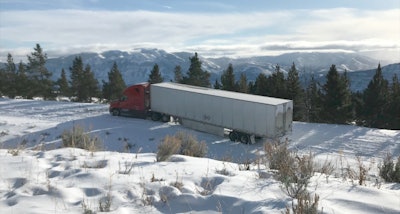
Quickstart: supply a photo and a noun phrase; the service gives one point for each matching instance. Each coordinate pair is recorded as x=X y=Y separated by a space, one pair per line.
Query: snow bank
x=37 y=176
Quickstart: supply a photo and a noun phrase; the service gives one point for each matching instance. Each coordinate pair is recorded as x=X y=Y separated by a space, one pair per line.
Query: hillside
x=360 y=79
x=47 y=178
x=136 y=65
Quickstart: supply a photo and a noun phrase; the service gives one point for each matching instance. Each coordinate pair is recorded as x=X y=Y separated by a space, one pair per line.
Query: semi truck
x=243 y=117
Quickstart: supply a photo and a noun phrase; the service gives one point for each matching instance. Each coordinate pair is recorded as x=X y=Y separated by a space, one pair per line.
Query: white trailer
x=210 y=110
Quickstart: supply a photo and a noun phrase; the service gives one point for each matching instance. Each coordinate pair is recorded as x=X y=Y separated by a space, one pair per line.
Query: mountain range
x=136 y=65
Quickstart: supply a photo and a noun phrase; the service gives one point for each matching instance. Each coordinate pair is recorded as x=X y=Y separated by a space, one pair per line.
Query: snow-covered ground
x=44 y=178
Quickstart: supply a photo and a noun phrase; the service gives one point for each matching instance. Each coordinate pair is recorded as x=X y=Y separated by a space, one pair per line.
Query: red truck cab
x=135 y=101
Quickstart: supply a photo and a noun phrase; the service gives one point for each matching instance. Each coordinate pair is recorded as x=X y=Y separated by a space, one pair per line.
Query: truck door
x=137 y=103
x=126 y=103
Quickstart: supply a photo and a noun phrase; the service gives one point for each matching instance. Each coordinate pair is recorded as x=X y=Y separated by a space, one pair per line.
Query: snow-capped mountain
x=136 y=65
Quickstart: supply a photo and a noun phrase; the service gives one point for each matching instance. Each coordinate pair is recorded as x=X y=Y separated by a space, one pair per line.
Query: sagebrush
x=294 y=171
x=291 y=167
x=79 y=138
x=181 y=143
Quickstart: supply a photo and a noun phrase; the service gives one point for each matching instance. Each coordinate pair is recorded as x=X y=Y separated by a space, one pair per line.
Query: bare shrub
x=327 y=167
x=362 y=171
x=94 y=164
x=396 y=173
x=177 y=184
x=245 y=166
x=147 y=198
x=291 y=167
x=305 y=205
x=78 y=138
x=169 y=146
x=224 y=170
x=278 y=155
x=181 y=143
x=295 y=184
x=14 y=152
x=294 y=171
x=154 y=179
x=350 y=173
x=86 y=208
x=389 y=171
x=3 y=133
x=105 y=203
x=128 y=166
x=190 y=146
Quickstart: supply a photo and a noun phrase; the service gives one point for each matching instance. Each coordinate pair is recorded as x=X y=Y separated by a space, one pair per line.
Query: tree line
x=331 y=102
x=377 y=106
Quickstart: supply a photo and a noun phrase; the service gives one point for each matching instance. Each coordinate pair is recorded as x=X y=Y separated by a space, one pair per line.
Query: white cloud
x=65 y=31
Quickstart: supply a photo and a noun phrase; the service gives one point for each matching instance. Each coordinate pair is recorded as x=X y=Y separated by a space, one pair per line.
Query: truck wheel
x=155 y=116
x=233 y=136
x=165 y=118
x=244 y=138
x=115 y=112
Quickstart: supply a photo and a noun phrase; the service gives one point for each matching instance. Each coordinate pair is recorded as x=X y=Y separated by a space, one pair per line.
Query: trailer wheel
x=115 y=112
x=155 y=116
x=233 y=136
x=244 y=138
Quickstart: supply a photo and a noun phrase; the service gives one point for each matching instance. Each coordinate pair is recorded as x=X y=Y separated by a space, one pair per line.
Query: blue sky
x=212 y=28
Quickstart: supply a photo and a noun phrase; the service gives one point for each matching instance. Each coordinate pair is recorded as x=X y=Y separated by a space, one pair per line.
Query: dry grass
x=78 y=138
x=181 y=143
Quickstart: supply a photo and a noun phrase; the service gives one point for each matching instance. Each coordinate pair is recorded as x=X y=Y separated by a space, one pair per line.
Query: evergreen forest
x=377 y=106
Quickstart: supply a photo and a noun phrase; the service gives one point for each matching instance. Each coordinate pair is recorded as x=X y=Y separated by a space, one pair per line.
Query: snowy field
x=41 y=177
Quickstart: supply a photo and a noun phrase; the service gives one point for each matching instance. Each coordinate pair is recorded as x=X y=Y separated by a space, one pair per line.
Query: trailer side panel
x=262 y=116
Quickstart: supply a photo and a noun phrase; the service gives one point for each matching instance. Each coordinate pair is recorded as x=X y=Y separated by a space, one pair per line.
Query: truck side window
x=123 y=98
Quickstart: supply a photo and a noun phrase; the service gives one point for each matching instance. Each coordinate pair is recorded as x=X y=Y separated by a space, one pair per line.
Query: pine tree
x=217 y=85
x=251 y=88
x=178 y=74
x=115 y=86
x=91 y=85
x=40 y=77
x=313 y=101
x=375 y=100
x=336 y=100
x=62 y=84
x=349 y=106
x=9 y=78
x=155 y=75
x=242 y=85
x=393 y=112
x=276 y=84
x=22 y=81
x=195 y=75
x=77 y=75
x=296 y=93
x=228 y=79
x=261 y=85
x=358 y=105
x=3 y=82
